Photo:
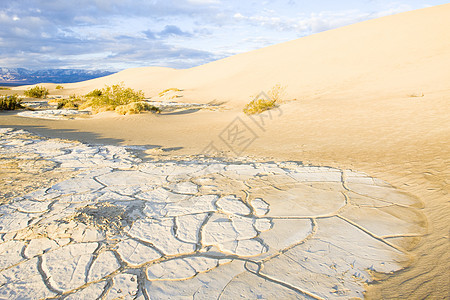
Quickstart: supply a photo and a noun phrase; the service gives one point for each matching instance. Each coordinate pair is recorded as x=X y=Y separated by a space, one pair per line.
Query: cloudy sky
x=119 y=34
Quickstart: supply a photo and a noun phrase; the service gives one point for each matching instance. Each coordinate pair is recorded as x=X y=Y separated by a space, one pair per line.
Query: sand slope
x=391 y=56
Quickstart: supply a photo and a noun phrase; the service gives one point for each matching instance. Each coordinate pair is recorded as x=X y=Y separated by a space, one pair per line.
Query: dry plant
x=136 y=108
x=168 y=90
x=111 y=97
x=414 y=95
x=10 y=103
x=277 y=93
x=67 y=104
x=37 y=92
x=104 y=216
x=260 y=104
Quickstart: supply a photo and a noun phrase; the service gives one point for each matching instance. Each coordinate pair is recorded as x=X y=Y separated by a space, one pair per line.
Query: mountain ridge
x=20 y=76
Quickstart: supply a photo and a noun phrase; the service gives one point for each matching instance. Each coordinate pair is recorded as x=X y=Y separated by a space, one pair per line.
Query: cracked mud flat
x=203 y=228
x=54 y=114
x=44 y=110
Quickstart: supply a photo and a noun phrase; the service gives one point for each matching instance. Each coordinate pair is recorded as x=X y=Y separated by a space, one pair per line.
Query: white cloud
x=204 y=2
x=239 y=17
x=304 y=24
x=175 y=33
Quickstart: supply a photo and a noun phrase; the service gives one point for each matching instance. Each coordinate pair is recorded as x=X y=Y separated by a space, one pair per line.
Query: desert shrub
x=94 y=93
x=4 y=88
x=277 y=93
x=59 y=87
x=37 y=92
x=135 y=108
x=260 y=104
x=168 y=90
x=10 y=102
x=67 y=104
x=110 y=97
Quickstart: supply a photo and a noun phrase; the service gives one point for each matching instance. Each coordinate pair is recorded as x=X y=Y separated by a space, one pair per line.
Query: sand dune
x=391 y=56
x=372 y=97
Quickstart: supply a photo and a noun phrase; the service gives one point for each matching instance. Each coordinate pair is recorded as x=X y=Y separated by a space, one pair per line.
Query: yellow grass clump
x=36 y=92
x=110 y=97
x=258 y=106
x=67 y=103
x=261 y=104
x=168 y=90
x=135 y=108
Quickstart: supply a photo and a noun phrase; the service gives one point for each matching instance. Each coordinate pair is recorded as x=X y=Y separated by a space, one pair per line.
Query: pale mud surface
x=46 y=109
x=104 y=224
x=54 y=114
x=24 y=172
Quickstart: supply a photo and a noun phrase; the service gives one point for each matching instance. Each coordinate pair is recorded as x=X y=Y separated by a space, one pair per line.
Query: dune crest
x=390 y=56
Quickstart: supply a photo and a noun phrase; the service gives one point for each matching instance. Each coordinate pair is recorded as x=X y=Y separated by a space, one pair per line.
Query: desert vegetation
x=59 y=87
x=119 y=98
x=260 y=103
x=37 y=92
x=169 y=90
x=110 y=97
x=277 y=93
x=135 y=108
x=67 y=104
x=10 y=102
x=73 y=102
x=94 y=93
x=415 y=95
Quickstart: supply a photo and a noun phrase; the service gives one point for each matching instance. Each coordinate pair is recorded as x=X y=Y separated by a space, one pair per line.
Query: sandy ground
x=376 y=103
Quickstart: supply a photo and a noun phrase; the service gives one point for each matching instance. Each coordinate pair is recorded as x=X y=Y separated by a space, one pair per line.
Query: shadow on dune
x=182 y=112
x=172 y=149
x=74 y=135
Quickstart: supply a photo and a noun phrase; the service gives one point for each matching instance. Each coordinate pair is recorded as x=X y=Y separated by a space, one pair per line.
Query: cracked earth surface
x=120 y=228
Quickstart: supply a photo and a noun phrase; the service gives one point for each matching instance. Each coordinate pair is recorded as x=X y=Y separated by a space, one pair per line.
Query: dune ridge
x=390 y=56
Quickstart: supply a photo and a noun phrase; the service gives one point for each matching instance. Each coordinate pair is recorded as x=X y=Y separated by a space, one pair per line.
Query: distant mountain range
x=19 y=76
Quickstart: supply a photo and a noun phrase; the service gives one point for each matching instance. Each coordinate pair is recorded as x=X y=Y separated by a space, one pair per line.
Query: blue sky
x=120 y=34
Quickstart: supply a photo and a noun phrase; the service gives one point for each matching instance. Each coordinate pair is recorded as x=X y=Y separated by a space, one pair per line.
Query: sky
x=119 y=34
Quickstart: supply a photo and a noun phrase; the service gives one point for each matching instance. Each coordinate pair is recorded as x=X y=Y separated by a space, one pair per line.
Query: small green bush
x=94 y=93
x=59 y=87
x=111 y=96
x=37 y=92
x=10 y=103
x=67 y=104
x=136 y=108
